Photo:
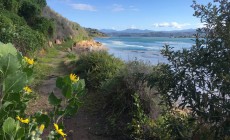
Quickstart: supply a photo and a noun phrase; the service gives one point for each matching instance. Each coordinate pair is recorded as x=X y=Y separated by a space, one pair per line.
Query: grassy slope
x=64 y=27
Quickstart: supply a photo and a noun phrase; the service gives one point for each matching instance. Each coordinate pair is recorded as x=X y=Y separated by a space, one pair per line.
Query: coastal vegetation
x=188 y=98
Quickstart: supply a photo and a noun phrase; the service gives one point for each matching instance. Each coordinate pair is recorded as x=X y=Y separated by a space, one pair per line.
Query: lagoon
x=147 y=49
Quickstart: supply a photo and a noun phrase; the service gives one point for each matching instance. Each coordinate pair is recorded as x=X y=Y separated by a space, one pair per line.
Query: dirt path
x=86 y=124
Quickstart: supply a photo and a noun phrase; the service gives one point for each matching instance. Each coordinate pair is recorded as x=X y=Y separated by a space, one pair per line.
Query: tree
x=29 y=11
x=199 y=78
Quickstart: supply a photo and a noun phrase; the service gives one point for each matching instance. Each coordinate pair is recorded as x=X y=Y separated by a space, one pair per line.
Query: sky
x=158 y=15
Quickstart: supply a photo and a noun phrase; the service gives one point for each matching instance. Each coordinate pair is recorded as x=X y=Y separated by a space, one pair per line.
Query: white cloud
x=133 y=27
x=133 y=8
x=117 y=8
x=83 y=7
x=200 y=25
x=171 y=25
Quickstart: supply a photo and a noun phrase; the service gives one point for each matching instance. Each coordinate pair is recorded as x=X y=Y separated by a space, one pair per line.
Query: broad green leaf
x=59 y=82
x=13 y=97
x=15 y=82
x=6 y=49
x=43 y=119
x=67 y=91
x=9 y=126
x=20 y=133
x=53 y=100
x=9 y=64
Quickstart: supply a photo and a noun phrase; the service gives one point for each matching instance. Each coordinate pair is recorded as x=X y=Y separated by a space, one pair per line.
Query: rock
x=50 y=43
x=69 y=50
x=58 y=42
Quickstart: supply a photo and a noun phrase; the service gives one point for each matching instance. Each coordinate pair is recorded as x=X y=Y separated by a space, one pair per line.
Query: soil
x=87 y=124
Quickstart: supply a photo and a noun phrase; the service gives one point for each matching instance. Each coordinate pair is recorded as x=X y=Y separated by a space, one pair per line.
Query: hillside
x=63 y=27
x=30 y=24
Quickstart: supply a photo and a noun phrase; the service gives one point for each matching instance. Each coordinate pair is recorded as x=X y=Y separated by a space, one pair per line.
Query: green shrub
x=10 y=5
x=7 y=29
x=29 y=10
x=174 y=126
x=17 y=20
x=97 y=67
x=28 y=39
x=44 y=26
x=130 y=104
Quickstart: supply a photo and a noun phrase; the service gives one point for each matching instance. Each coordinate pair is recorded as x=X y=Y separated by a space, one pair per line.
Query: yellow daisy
x=29 y=61
x=27 y=89
x=73 y=77
x=23 y=120
x=59 y=131
x=41 y=128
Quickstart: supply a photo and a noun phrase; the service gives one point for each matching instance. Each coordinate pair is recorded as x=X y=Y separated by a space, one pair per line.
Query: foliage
x=15 y=71
x=28 y=39
x=198 y=78
x=29 y=10
x=130 y=103
x=97 y=67
x=10 y=5
x=14 y=29
x=45 y=26
x=7 y=32
x=141 y=123
x=16 y=20
x=174 y=125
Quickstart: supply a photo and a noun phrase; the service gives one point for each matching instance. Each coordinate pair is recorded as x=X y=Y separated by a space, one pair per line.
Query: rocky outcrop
x=88 y=45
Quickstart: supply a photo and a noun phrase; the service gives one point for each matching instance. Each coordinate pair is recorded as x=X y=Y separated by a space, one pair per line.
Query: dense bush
x=199 y=78
x=29 y=10
x=97 y=67
x=131 y=104
x=28 y=39
x=17 y=20
x=7 y=29
x=174 y=125
x=10 y=5
x=44 y=26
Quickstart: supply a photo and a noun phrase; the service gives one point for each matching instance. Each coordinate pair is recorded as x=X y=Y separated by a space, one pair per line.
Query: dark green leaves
x=53 y=100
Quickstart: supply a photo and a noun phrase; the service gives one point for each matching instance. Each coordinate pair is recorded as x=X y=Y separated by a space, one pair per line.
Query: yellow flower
x=29 y=61
x=27 y=89
x=41 y=128
x=23 y=120
x=73 y=77
x=59 y=131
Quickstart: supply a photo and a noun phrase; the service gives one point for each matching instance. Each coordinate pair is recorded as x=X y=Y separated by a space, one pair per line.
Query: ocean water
x=145 y=49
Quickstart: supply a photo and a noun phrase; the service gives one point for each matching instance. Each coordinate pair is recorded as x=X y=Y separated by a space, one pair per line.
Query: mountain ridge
x=149 y=33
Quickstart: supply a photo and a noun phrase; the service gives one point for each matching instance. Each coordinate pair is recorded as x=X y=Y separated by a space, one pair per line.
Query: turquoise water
x=146 y=49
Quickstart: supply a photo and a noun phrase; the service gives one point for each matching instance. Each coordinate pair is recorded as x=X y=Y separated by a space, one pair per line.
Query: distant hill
x=149 y=33
x=95 y=33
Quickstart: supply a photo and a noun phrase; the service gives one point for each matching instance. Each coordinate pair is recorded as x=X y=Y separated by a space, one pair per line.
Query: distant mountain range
x=149 y=33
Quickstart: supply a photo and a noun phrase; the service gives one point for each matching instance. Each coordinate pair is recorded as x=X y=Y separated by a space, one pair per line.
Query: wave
x=134 y=47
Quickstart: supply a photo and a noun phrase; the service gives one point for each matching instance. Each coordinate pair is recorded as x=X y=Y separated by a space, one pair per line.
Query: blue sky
x=123 y=14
